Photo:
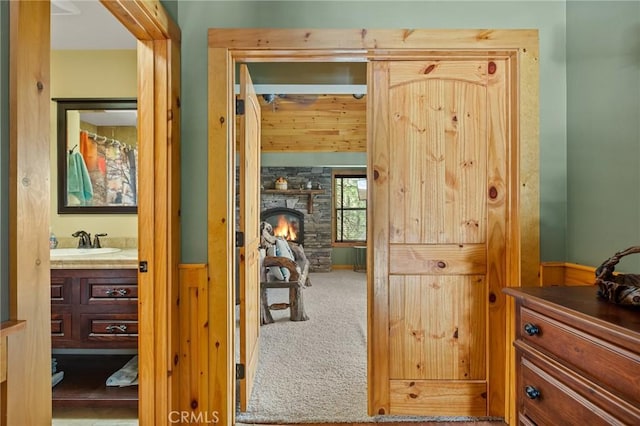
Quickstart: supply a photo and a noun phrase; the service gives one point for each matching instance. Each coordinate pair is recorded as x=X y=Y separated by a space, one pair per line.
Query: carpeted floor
x=315 y=370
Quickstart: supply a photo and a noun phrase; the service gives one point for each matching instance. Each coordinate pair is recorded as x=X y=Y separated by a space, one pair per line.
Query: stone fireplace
x=315 y=225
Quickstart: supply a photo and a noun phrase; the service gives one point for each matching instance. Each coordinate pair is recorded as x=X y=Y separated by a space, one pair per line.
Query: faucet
x=96 y=241
x=84 y=239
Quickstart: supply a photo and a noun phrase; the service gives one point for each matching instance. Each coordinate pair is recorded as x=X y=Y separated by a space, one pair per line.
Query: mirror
x=97 y=156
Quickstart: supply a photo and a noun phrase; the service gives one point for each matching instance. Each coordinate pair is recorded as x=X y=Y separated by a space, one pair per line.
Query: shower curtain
x=113 y=171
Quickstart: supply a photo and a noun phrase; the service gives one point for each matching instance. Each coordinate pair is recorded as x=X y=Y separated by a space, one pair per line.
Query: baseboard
x=341 y=266
x=565 y=273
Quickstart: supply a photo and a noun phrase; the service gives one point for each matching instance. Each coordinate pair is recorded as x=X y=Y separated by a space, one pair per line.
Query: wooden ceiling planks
x=314 y=123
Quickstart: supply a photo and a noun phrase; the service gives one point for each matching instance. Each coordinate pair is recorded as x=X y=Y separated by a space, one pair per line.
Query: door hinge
x=239 y=371
x=239 y=106
x=239 y=239
x=143 y=266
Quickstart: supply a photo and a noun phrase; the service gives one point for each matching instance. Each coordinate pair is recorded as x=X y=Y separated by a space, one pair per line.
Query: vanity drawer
x=107 y=290
x=116 y=330
x=60 y=326
x=61 y=290
x=602 y=361
x=110 y=292
x=548 y=396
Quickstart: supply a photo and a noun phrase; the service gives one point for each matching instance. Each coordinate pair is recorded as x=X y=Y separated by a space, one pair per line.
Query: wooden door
x=249 y=164
x=439 y=232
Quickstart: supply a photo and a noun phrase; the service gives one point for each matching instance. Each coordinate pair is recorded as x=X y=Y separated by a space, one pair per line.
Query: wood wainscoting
x=191 y=366
x=565 y=273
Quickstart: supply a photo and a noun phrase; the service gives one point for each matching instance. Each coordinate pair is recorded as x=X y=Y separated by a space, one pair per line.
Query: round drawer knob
x=532 y=392
x=531 y=329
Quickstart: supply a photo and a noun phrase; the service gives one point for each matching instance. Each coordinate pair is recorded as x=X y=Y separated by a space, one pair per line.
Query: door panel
x=249 y=164
x=436 y=327
x=446 y=244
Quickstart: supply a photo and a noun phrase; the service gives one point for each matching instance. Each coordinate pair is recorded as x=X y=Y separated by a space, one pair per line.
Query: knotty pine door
x=439 y=164
x=249 y=181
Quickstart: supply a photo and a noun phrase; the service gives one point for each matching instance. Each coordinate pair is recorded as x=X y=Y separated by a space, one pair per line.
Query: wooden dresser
x=577 y=357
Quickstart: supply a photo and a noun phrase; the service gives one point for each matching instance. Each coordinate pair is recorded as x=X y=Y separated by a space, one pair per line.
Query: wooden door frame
x=159 y=47
x=159 y=195
x=229 y=46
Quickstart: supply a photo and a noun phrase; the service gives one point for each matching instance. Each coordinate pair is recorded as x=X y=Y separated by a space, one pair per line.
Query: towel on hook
x=78 y=180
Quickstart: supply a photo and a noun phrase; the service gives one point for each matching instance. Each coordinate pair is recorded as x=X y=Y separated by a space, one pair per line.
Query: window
x=350 y=218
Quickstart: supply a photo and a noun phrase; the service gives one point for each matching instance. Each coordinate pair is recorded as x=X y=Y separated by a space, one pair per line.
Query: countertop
x=124 y=259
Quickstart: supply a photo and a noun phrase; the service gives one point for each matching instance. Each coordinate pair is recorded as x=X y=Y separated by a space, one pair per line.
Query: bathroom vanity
x=94 y=308
x=94 y=326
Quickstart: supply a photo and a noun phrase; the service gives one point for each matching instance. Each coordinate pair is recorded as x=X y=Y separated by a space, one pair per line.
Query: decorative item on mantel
x=281 y=183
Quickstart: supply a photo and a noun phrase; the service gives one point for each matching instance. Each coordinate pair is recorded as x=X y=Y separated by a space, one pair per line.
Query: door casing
x=230 y=46
x=158 y=230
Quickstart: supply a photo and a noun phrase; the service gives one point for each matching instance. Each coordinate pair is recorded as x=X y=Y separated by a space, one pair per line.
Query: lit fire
x=285 y=229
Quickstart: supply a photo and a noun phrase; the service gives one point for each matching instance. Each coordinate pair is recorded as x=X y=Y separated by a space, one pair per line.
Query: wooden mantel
x=310 y=193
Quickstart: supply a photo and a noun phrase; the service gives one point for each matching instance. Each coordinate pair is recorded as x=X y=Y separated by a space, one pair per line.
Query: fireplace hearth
x=287 y=223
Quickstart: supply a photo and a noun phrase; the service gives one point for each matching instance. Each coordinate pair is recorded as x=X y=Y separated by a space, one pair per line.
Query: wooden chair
x=298 y=281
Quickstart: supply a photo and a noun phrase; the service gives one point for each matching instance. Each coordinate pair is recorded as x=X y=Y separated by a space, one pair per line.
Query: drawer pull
x=532 y=393
x=116 y=328
x=531 y=329
x=117 y=292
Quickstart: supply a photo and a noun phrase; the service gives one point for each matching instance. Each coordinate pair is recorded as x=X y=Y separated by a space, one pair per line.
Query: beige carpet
x=315 y=370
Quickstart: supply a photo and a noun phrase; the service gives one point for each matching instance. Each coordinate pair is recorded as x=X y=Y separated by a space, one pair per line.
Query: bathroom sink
x=82 y=251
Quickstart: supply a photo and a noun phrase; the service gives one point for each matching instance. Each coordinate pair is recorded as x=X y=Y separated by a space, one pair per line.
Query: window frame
x=340 y=174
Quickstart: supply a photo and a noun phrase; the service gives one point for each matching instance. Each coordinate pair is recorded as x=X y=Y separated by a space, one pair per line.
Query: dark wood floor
x=84 y=383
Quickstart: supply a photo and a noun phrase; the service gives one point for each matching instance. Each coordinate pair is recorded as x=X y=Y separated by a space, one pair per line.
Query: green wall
x=603 y=131
x=4 y=161
x=195 y=18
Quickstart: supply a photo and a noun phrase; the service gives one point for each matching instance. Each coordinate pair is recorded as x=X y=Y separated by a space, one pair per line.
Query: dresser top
x=580 y=302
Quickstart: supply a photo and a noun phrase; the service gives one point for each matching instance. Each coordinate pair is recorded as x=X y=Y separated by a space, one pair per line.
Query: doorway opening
x=308 y=166
x=94 y=302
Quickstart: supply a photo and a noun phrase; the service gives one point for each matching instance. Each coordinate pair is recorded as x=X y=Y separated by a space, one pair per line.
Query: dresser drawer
x=547 y=397
x=603 y=362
